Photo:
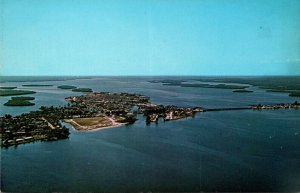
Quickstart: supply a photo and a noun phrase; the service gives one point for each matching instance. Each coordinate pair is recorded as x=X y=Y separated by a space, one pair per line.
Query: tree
x=7 y=116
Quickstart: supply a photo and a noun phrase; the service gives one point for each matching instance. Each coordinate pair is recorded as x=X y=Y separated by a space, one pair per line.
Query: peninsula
x=87 y=112
x=98 y=110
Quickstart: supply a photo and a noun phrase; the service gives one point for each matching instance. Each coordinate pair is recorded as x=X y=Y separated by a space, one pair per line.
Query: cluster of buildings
x=294 y=105
x=45 y=124
x=169 y=112
x=29 y=127
x=109 y=104
x=121 y=105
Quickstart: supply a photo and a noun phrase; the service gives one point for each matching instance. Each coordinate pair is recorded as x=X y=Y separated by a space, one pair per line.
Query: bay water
x=214 y=151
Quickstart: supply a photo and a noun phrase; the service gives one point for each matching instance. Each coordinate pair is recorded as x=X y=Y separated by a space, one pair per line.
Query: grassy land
x=8 y=87
x=92 y=121
x=22 y=98
x=242 y=90
x=82 y=90
x=14 y=102
x=9 y=92
x=36 y=85
x=67 y=87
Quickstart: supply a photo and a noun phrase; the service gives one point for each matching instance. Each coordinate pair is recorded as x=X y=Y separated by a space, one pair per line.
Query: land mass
x=37 y=85
x=97 y=110
x=242 y=90
x=93 y=123
x=9 y=92
x=82 y=90
x=18 y=102
x=289 y=85
x=295 y=94
x=23 y=98
x=8 y=87
x=184 y=83
x=66 y=87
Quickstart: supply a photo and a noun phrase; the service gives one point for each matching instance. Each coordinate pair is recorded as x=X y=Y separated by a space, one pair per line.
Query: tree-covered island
x=23 y=98
x=18 y=102
x=37 y=85
x=11 y=92
x=66 y=87
x=82 y=90
x=8 y=87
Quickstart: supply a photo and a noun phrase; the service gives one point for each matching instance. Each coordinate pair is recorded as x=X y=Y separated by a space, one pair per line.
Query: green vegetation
x=274 y=83
x=173 y=82
x=8 y=92
x=242 y=90
x=292 y=93
x=22 y=98
x=67 y=87
x=288 y=84
x=36 y=85
x=221 y=86
x=82 y=90
x=184 y=83
x=15 y=102
x=272 y=90
x=8 y=87
x=92 y=121
x=295 y=94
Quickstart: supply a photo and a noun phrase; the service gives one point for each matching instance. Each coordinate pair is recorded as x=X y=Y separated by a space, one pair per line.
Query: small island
x=8 y=87
x=198 y=85
x=36 y=85
x=82 y=90
x=242 y=91
x=295 y=94
x=67 y=87
x=23 y=98
x=218 y=86
x=11 y=92
x=292 y=93
x=18 y=102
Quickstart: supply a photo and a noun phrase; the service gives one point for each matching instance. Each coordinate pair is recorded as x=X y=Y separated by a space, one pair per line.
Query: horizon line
x=147 y=75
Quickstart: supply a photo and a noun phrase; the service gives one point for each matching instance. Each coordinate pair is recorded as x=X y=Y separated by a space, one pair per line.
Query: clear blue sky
x=150 y=37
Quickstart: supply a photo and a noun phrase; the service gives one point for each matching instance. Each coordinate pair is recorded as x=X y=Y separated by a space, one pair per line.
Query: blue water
x=214 y=151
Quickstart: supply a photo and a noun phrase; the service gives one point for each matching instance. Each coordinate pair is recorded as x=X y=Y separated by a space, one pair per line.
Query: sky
x=150 y=37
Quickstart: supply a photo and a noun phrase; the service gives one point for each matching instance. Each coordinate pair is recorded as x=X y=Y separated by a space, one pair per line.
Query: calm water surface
x=214 y=151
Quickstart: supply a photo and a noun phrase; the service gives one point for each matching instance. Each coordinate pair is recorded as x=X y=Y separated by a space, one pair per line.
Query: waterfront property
x=97 y=110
